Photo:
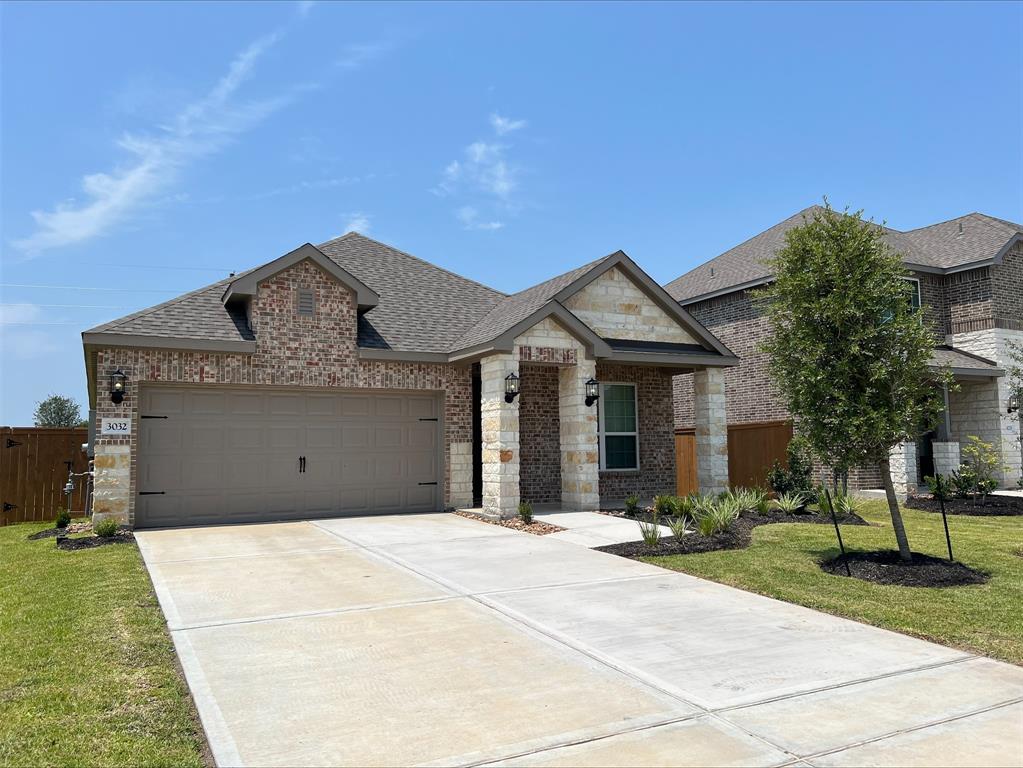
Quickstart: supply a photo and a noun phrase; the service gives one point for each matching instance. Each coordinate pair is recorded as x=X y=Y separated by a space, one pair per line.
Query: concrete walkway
x=438 y=640
x=592 y=529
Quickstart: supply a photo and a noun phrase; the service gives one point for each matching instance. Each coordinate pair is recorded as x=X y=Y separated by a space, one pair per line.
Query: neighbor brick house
x=354 y=378
x=968 y=279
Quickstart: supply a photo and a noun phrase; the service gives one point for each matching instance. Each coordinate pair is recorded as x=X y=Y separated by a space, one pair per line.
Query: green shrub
x=664 y=505
x=684 y=505
x=797 y=476
x=650 y=531
x=790 y=503
x=939 y=486
x=63 y=518
x=526 y=512
x=679 y=526
x=632 y=504
x=964 y=481
x=846 y=503
x=718 y=516
x=984 y=462
x=105 y=528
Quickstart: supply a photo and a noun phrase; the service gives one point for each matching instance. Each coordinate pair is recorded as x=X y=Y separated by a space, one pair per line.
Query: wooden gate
x=752 y=449
x=34 y=464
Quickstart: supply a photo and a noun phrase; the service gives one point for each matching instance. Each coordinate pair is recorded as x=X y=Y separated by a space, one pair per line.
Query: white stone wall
x=111 y=490
x=547 y=333
x=460 y=473
x=615 y=307
x=946 y=457
x=902 y=462
x=500 y=435
x=711 y=423
x=580 y=457
x=982 y=408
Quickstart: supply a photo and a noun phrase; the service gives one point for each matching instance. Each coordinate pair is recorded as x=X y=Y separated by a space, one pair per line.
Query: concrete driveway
x=437 y=640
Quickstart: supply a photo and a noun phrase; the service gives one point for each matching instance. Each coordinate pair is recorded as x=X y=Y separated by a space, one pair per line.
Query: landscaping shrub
x=717 y=516
x=105 y=528
x=797 y=477
x=790 y=503
x=983 y=462
x=939 y=486
x=650 y=531
x=664 y=505
x=632 y=504
x=526 y=512
x=846 y=504
x=679 y=526
x=684 y=506
x=63 y=518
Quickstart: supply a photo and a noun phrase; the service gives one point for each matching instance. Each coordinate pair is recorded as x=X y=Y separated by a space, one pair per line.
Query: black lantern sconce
x=1013 y=404
x=592 y=392
x=118 y=383
x=511 y=387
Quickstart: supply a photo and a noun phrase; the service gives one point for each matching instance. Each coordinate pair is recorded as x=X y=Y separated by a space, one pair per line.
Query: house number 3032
x=115 y=427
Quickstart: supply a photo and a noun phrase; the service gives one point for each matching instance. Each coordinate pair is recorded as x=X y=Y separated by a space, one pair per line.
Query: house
x=967 y=276
x=354 y=378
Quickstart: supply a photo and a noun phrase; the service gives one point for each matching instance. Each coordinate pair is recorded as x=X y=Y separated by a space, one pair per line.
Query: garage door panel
x=231 y=455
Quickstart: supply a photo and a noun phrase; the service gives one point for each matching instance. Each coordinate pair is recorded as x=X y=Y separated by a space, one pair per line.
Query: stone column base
x=946 y=457
x=111 y=488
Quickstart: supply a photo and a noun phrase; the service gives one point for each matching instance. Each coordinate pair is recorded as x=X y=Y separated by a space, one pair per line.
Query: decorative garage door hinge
x=428 y=419
x=152 y=417
x=12 y=443
x=8 y=506
x=433 y=483
x=151 y=493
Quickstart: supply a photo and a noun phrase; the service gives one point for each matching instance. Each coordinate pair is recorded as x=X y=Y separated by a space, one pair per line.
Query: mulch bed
x=123 y=536
x=536 y=527
x=50 y=533
x=886 y=567
x=738 y=536
x=996 y=505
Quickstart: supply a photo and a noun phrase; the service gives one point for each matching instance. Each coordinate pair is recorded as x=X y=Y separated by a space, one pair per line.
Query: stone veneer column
x=500 y=433
x=946 y=457
x=580 y=457
x=902 y=461
x=460 y=475
x=711 y=421
x=111 y=490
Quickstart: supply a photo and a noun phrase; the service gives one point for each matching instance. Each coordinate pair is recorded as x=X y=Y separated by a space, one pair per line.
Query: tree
x=1015 y=372
x=58 y=411
x=848 y=352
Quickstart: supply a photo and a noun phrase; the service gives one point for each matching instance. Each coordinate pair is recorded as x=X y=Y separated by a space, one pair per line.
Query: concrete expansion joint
x=251 y=555
x=919 y=727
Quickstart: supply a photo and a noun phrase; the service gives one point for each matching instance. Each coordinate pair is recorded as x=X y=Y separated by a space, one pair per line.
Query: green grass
x=782 y=563
x=88 y=673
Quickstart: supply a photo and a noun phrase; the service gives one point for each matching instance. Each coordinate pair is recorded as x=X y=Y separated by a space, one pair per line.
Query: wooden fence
x=34 y=465
x=752 y=449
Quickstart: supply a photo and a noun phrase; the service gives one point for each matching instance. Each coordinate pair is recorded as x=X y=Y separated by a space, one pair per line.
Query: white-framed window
x=618 y=426
x=914 y=298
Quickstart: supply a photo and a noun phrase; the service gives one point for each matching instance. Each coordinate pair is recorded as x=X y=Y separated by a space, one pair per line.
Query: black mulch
x=886 y=567
x=91 y=542
x=738 y=536
x=49 y=533
x=996 y=505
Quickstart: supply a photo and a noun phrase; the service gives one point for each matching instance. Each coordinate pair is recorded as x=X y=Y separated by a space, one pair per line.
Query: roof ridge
x=411 y=256
x=1013 y=224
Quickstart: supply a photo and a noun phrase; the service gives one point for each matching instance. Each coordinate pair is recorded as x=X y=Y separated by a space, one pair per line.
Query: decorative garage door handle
x=301 y=464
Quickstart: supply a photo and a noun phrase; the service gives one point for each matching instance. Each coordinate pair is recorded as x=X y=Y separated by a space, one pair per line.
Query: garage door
x=215 y=455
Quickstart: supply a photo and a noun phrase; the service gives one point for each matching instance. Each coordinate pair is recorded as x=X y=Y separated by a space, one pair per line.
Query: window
x=914 y=299
x=618 y=428
x=306 y=302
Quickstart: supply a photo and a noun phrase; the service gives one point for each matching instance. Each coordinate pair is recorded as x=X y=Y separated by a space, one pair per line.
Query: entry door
x=216 y=455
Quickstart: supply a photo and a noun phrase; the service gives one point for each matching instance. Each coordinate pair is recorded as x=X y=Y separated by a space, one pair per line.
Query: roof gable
x=245 y=285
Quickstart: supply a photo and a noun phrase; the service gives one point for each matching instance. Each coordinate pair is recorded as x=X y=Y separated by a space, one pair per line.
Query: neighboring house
x=354 y=378
x=968 y=278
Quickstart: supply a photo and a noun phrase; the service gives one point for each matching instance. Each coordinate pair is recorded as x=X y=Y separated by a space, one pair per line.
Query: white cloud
x=470 y=219
x=201 y=128
x=503 y=125
x=357 y=222
x=18 y=336
x=355 y=55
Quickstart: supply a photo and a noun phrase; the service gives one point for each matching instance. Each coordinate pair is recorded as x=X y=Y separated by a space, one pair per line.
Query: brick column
x=946 y=457
x=711 y=423
x=500 y=433
x=580 y=459
x=902 y=461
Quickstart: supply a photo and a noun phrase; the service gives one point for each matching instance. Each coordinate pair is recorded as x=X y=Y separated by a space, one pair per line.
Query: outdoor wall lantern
x=1013 y=403
x=592 y=392
x=118 y=382
x=511 y=387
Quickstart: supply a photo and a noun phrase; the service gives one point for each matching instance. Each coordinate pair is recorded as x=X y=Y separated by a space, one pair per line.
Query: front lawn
x=782 y=562
x=87 y=670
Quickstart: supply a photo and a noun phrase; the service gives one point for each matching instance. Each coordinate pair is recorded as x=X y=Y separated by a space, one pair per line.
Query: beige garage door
x=216 y=455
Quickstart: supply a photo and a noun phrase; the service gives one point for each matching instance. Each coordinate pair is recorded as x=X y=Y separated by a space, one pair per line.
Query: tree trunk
x=893 y=509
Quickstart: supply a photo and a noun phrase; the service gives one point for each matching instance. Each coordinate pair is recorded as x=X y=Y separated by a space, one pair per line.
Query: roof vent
x=712 y=271
x=306 y=302
x=960 y=227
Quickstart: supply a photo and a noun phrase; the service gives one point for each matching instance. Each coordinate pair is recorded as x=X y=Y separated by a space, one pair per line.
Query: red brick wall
x=656 y=473
x=290 y=351
x=1007 y=288
x=539 y=434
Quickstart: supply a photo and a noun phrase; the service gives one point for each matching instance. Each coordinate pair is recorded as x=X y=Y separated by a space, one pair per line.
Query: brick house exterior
x=292 y=380
x=970 y=273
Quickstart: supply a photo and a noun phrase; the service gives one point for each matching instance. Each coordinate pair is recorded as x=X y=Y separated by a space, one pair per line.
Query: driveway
x=437 y=640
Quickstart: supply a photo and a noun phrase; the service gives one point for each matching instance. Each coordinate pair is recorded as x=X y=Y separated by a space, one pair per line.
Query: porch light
x=1013 y=404
x=511 y=387
x=118 y=382
x=592 y=392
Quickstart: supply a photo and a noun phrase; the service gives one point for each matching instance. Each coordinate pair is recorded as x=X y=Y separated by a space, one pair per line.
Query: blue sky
x=150 y=148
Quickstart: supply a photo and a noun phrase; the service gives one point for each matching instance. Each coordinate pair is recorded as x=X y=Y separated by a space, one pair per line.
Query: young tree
x=848 y=352
x=58 y=411
x=1015 y=371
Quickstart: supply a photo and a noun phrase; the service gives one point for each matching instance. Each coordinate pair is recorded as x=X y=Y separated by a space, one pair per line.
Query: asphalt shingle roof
x=941 y=246
x=956 y=358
